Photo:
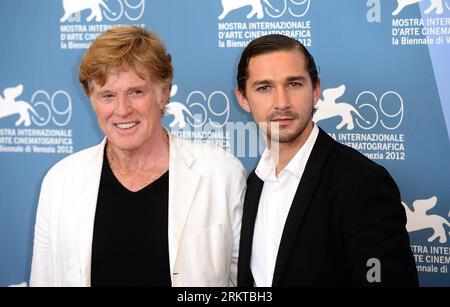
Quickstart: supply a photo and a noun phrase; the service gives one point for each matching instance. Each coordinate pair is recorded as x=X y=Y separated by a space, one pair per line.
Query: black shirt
x=130 y=242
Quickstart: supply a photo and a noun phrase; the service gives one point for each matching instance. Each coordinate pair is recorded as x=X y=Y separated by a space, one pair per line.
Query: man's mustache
x=282 y=114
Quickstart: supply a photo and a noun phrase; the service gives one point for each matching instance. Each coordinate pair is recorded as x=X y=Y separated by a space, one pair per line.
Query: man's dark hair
x=268 y=44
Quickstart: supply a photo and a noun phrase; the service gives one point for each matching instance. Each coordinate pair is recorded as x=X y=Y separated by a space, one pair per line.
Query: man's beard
x=275 y=134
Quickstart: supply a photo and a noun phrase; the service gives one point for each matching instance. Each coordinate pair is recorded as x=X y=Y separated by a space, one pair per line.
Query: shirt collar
x=266 y=169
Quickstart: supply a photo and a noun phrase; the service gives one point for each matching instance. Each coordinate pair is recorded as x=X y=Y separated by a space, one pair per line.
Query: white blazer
x=206 y=194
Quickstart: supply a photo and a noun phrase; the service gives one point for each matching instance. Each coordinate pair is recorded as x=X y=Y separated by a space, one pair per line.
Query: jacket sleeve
x=377 y=243
x=41 y=269
x=239 y=188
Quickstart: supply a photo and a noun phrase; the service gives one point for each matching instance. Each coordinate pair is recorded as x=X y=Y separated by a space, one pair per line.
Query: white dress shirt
x=276 y=199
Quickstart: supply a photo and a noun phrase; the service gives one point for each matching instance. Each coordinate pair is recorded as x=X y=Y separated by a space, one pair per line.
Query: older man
x=142 y=208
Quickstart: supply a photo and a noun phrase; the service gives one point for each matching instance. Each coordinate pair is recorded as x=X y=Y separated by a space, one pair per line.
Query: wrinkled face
x=128 y=109
x=279 y=92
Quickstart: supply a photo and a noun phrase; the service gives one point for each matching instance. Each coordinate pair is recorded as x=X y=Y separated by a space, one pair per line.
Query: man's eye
x=107 y=96
x=136 y=93
x=264 y=88
x=295 y=84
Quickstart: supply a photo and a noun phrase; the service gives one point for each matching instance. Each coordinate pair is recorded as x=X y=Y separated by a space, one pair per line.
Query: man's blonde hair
x=126 y=46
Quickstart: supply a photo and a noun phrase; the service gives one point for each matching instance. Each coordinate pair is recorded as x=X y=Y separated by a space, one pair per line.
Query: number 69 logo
x=56 y=108
x=116 y=9
x=388 y=110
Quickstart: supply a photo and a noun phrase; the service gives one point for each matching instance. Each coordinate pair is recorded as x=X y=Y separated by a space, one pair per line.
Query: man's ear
x=93 y=104
x=243 y=102
x=316 y=92
x=165 y=94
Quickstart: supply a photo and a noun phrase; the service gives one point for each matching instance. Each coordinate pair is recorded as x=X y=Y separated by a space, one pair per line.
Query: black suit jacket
x=346 y=210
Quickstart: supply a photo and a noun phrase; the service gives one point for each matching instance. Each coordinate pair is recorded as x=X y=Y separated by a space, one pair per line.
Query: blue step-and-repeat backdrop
x=384 y=66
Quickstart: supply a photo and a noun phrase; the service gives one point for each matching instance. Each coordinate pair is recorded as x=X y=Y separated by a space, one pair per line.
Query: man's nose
x=123 y=107
x=281 y=99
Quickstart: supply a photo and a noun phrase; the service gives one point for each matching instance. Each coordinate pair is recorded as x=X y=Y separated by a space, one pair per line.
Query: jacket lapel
x=183 y=184
x=85 y=205
x=252 y=196
x=301 y=202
